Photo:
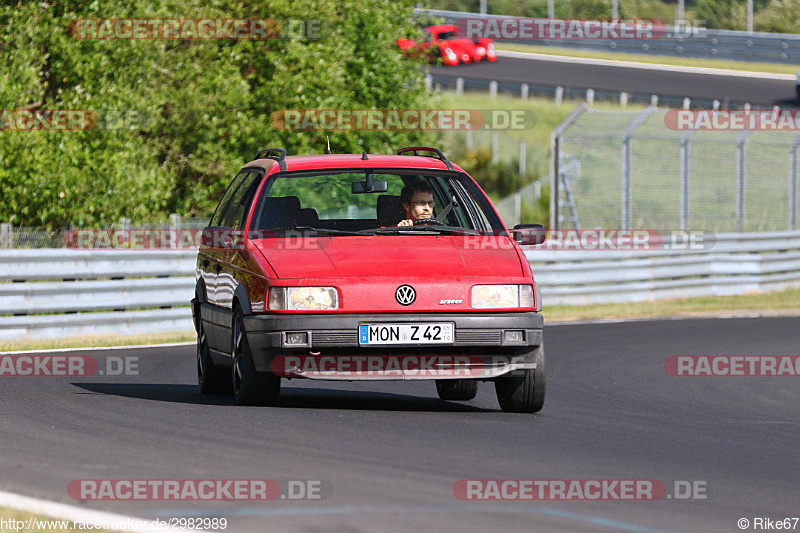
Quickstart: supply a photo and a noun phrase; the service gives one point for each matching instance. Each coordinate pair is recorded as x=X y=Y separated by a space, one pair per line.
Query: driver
x=417 y=200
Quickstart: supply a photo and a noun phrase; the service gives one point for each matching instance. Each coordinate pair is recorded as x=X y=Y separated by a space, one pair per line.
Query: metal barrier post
x=625 y=214
x=740 y=165
x=5 y=235
x=684 y=194
x=793 y=183
x=627 y=133
x=555 y=153
x=175 y=229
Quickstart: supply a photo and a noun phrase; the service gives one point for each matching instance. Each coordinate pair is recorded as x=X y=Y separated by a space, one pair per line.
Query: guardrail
x=149 y=291
x=99 y=292
x=736 y=263
x=679 y=41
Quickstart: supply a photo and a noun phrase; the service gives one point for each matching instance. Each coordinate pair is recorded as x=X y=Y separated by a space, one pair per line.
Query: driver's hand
x=406 y=222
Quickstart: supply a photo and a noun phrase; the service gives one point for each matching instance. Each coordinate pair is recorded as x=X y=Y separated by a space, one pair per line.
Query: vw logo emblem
x=405 y=295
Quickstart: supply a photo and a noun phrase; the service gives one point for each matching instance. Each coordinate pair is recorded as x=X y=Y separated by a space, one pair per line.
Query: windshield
x=326 y=203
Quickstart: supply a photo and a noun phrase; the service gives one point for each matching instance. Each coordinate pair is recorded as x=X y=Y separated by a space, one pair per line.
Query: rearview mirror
x=361 y=187
x=369 y=185
x=529 y=234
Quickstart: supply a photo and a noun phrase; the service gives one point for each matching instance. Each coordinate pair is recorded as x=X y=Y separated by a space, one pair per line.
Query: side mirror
x=221 y=238
x=529 y=234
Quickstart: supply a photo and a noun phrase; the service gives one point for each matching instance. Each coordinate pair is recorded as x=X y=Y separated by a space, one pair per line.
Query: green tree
x=722 y=14
x=779 y=16
x=192 y=111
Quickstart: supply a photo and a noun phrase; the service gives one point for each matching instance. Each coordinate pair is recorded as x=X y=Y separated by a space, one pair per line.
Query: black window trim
x=463 y=178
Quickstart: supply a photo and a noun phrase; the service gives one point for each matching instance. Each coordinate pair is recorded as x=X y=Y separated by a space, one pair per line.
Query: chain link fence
x=628 y=169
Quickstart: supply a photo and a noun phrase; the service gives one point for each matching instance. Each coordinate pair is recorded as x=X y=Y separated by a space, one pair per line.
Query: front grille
x=489 y=337
x=464 y=337
x=334 y=338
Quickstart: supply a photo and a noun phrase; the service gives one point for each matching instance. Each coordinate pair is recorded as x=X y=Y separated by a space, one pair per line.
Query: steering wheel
x=426 y=222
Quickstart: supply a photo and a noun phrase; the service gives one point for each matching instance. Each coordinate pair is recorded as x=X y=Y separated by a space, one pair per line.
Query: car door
x=210 y=261
x=233 y=223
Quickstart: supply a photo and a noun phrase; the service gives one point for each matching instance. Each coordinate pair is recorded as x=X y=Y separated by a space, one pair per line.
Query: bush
x=722 y=14
x=779 y=16
x=496 y=179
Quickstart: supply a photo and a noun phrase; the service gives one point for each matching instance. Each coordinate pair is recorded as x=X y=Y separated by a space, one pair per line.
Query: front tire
x=250 y=387
x=523 y=393
x=456 y=389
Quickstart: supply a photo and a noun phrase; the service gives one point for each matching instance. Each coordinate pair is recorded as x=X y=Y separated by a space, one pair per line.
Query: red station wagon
x=366 y=267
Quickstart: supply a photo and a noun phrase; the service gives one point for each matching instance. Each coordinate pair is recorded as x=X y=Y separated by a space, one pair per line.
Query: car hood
x=431 y=256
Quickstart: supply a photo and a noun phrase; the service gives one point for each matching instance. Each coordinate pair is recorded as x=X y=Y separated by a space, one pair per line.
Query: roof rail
x=439 y=155
x=279 y=156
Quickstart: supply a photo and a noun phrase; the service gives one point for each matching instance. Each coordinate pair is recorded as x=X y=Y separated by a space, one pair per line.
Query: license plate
x=426 y=333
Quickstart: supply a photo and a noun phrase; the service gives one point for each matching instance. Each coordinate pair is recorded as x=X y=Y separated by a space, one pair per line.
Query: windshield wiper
x=432 y=228
x=330 y=231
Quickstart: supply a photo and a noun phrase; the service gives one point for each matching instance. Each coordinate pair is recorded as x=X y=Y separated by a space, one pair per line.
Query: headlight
x=501 y=296
x=450 y=54
x=303 y=298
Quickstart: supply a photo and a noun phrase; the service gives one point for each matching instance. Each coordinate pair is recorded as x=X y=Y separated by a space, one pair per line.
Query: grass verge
x=96 y=341
x=784 y=303
x=750 y=66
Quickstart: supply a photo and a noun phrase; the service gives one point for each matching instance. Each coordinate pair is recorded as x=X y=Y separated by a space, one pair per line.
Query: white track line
x=98 y=348
x=649 y=66
x=62 y=511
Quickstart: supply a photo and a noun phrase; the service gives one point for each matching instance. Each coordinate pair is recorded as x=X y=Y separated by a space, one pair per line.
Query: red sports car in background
x=447 y=41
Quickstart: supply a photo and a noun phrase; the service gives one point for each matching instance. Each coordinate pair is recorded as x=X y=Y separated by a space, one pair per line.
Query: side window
x=239 y=202
x=216 y=220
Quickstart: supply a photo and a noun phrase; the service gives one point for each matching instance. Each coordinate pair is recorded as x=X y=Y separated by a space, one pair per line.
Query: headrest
x=279 y=212
x=390 y=210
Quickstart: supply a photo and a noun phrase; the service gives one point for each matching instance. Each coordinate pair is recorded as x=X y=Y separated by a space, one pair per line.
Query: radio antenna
x=329 y=143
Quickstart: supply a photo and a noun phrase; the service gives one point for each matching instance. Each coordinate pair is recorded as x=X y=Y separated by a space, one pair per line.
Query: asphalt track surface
x=392 y=451
x=730 y=89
